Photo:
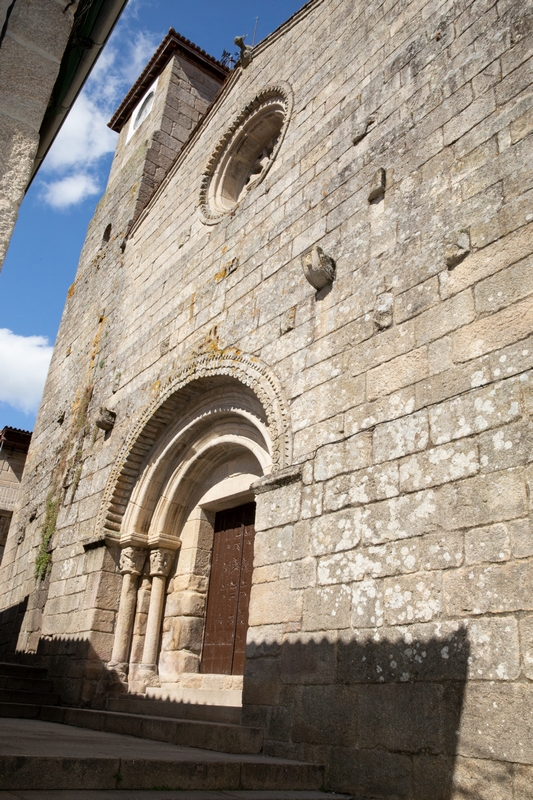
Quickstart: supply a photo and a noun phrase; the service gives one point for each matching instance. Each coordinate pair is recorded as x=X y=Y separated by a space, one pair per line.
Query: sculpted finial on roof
x=246 y=51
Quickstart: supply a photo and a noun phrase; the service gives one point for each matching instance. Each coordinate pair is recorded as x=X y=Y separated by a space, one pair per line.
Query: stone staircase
x=204 y=746
x=24 y=690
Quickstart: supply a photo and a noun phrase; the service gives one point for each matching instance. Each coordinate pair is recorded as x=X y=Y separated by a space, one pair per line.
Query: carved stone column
x=160 y=564
x=131 y=565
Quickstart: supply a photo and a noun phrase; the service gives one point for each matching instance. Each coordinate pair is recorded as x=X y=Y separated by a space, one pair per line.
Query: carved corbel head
x=319 y=269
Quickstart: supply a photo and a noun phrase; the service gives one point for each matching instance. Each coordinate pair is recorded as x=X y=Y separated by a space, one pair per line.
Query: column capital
x=161 y=561
x=132 y=560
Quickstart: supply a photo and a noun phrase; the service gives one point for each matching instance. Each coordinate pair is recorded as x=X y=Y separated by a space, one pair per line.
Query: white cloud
x=73 y=168
x=69 y=191
x=24 y=362
x=83 y=139
x=141 y=50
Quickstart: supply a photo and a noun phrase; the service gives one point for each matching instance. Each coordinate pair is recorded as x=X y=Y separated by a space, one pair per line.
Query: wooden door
x=230 y=582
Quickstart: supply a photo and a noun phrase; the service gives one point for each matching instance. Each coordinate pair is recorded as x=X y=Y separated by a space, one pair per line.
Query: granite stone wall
x=390 y=618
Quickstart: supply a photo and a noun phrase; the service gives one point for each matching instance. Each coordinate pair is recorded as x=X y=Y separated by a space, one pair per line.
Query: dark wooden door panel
x=239 y=653
x=229 y=591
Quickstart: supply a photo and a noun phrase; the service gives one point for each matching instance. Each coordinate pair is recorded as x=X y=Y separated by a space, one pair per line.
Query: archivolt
x=203 y=374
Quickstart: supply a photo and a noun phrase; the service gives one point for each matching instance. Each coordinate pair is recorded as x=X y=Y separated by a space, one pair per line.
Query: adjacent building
x=14 y=445
x=47 y=49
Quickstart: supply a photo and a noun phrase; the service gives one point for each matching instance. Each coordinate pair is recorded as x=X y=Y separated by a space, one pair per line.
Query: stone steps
x=45 y=756
x=217 y=736
x=205 y=734
x=28 y=697
x=21 y=670
x=177 y=795
x=135 y=744
x=197 y=696
x=132 y=704
x=24 y=685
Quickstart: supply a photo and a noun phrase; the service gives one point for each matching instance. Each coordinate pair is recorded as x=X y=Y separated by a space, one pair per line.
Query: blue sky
x=43 y=255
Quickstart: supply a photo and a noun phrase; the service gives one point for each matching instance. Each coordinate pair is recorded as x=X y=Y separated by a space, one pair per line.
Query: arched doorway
x=186 y=534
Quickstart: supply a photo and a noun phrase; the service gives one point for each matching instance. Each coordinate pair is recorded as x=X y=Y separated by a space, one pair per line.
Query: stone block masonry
x=382 y=422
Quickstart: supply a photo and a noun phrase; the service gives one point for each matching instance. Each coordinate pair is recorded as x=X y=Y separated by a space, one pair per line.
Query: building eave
x=172 y=43
x=85 y=44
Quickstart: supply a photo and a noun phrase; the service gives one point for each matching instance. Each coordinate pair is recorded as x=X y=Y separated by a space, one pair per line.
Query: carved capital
x=132 y=560
x=161 y=561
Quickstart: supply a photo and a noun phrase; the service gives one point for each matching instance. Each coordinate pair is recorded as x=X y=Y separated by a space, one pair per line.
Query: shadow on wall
x=79 y=676
x=382 y=715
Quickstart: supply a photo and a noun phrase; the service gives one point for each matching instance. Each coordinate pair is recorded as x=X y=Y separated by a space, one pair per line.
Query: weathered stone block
x=303 y=573
x=350 y=454
x=412 y=598
x=471 y=776
x=364 y=486
x=185 y=604
x=492 y=333
x=278 y=507
x=521 y=533
x=325 y=715
x=311 y=501
x=509 y=446
x=414 y=301
x=309 y=658
x=403 y=717
x=326 y=608
x=272 y=546
x=496 y=720
x=399 y=437
x=487 y=544
x=274 y=602
x=475 y=411
x=367 y=604
x=334 y=532
x=371 y=772
x=353 y=565
x=493 y=588
x=439 y=465
x=402 y=371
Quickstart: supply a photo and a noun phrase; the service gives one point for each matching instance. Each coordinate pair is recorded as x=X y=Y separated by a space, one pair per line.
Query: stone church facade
x=284 y=447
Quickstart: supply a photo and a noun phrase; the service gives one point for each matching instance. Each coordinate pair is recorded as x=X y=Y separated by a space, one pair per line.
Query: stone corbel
x=319 y=268
x=277 y=479
x=105 y=419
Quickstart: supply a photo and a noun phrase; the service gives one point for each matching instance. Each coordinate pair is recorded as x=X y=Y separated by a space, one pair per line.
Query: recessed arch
x=226 y=388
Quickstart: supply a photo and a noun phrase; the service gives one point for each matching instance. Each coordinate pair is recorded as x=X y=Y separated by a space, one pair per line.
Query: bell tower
x=154 y=121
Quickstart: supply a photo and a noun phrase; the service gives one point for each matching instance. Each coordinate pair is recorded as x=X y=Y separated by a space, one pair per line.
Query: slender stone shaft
x=160 y=564
x=131 y=563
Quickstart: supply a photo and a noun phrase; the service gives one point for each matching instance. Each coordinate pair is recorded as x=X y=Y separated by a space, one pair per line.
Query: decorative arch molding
x=205 y=373
x=230 y=154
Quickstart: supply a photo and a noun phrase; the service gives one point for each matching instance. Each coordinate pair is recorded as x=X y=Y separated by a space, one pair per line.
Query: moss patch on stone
x=44 y=557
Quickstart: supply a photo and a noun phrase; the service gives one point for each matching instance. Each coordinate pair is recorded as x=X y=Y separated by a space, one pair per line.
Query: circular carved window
x=245 y=153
